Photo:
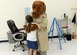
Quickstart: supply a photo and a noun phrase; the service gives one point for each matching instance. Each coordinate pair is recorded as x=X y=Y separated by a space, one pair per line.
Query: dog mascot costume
x=40 y=19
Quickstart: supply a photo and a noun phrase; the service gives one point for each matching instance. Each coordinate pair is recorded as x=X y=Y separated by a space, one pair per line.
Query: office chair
x=18 y=36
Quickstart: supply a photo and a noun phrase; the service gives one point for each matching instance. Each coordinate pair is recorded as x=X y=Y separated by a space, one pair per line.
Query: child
x=31 y=36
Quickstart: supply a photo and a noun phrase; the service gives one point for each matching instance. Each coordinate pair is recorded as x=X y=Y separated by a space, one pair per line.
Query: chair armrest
x=18 y=33
x=21 y=29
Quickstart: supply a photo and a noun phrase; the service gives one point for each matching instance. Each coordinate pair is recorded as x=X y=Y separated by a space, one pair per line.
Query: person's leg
x=30 y=51
x=34 y=52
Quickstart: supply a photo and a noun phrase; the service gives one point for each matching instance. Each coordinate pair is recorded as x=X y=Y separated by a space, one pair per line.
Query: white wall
x=56 y=8
x=14 y=9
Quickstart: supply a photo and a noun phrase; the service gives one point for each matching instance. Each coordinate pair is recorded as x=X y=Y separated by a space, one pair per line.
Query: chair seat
x=18 y=36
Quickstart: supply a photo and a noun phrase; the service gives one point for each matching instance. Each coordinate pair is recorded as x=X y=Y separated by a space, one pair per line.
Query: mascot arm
x=43 y=23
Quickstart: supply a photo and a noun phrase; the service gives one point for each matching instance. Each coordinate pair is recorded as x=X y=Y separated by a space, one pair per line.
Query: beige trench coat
x=42 y=37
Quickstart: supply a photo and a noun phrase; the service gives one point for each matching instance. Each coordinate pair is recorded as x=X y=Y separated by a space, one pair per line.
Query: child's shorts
x=32 y=44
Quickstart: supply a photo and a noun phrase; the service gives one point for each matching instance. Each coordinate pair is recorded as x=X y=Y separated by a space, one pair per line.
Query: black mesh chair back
x=12 y=26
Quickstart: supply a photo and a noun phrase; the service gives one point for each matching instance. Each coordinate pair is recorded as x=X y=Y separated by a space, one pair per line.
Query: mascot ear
x=44 y=8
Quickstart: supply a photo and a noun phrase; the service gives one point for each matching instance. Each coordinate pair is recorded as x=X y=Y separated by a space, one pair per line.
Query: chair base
x=19 y=45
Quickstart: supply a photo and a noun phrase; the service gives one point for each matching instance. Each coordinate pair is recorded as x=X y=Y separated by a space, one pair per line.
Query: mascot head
x=38 y=8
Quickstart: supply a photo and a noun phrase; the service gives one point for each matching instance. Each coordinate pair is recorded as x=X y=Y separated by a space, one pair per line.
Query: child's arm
x=27 y=29
x=32 y=28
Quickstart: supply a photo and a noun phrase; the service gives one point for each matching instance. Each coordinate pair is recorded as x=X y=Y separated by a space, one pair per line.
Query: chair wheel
x=14 y=46
x=13 y=50
x=23 y=43
x=23 y=50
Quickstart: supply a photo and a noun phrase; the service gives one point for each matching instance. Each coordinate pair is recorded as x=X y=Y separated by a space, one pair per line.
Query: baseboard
x=1 y=41
x=53 y=36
